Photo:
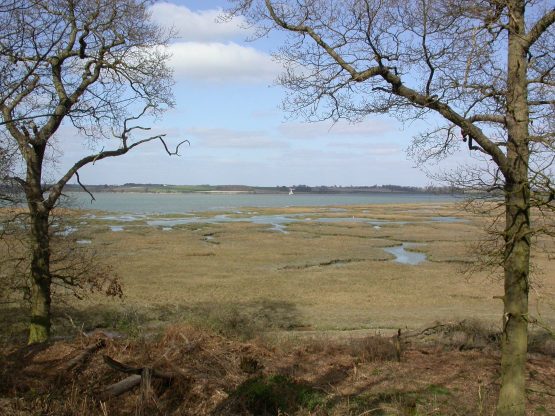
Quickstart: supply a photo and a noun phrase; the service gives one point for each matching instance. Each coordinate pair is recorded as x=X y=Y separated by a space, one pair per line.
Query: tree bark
x=39 y=329
x=514 y=344
x=39 y=213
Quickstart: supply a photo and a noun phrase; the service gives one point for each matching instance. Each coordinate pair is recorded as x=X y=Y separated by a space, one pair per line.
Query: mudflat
x=306 y=270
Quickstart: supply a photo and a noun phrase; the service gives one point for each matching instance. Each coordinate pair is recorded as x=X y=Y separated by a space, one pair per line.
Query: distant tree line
x=321 y=189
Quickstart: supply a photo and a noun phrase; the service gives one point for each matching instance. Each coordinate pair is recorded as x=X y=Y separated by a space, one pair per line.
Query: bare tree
x=485 y=67
x=97 y=66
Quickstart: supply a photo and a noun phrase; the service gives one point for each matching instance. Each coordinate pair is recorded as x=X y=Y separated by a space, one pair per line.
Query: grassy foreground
x=252 y=320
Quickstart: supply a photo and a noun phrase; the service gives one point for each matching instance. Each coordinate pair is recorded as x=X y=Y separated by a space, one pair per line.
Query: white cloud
x=208 y=48
x=341 y=128
x=228 y=138
x=222 y=62
x=198 y=26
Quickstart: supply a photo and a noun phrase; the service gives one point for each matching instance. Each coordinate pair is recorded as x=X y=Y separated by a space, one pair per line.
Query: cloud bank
x=208 y=49
x=198 y=26
x=222 y=63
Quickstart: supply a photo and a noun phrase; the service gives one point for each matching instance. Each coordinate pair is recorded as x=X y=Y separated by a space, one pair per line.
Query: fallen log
x=139 y=376
x=83 y=356
x=116 y=365
x=121 y=387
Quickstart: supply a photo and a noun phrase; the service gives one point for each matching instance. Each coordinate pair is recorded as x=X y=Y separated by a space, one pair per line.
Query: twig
x=83 y=186
x=176 y=147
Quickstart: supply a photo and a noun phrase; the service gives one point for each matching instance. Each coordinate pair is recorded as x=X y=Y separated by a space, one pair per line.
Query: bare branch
x=540 y=27
x=83 y=186
x=176 y=151
x=490 y=118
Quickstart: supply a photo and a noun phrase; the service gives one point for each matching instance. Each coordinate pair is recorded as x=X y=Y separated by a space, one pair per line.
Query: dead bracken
x=188 y=371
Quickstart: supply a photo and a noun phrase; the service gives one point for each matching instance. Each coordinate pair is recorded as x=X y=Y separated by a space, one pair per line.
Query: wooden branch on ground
x=84 y=355
x=116 y=365
x=139 y=375
x=121 y=387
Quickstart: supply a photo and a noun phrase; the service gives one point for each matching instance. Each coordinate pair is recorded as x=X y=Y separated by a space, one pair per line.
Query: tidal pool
x=66 y=231
x=375 y=223
x=406 y=257
x=124 y=218
x=448 y=219
x=277 y=222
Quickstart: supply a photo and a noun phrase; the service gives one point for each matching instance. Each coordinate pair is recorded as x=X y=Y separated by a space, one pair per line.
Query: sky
x=228 y=106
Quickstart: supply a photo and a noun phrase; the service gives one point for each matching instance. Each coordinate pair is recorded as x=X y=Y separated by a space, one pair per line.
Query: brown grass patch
x=215 y=375
x=330 y=280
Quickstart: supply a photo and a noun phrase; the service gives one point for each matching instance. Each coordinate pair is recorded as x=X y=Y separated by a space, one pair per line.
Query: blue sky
x=228 y=107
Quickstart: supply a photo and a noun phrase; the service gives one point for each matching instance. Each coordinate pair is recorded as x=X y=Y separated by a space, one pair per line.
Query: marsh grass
x=262 y=321
x=319 y=277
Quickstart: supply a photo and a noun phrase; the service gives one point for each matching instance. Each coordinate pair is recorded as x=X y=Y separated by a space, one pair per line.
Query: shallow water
x=448 y=219
x=375 y=223
x=66 y=231
x=406 y=257
x=277 y=222
x=172 y=222
x=150 y=203
x=124 y=218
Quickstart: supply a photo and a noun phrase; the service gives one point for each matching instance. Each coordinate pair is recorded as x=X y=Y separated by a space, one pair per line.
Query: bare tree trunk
x=39 y=212
x=39 y=330
x=515 y=323
x=514 y=344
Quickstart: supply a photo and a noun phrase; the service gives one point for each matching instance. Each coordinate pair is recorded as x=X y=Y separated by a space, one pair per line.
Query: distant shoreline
x=277 y=190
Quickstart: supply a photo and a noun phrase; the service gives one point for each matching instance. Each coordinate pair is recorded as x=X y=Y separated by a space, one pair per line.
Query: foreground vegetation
x=300 y=319
x=448 y=370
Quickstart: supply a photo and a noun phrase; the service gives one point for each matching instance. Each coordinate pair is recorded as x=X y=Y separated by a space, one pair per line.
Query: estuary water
x=176 y=203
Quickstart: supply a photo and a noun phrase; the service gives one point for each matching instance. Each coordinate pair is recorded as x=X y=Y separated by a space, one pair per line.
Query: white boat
x=291 y=191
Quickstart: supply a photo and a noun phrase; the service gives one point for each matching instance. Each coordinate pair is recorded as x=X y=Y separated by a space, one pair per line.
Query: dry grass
x=319 y=276
x=286 y=323
x=214 y=375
